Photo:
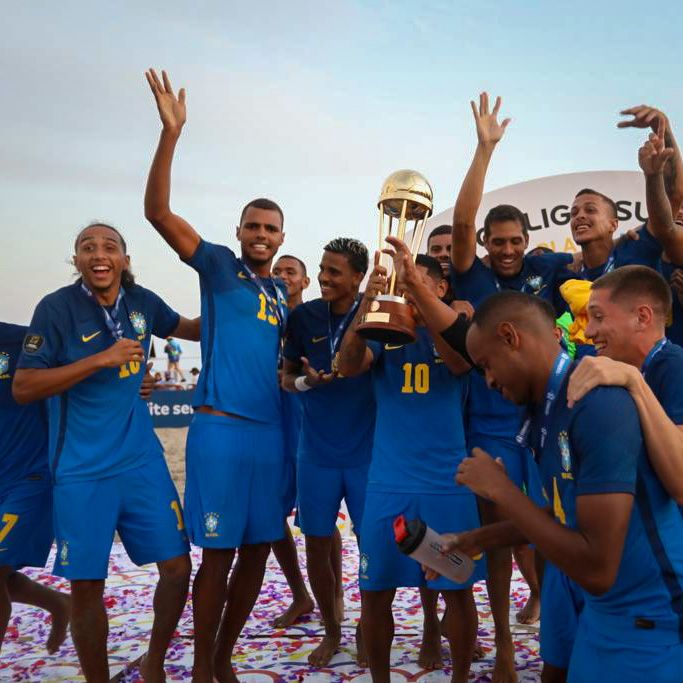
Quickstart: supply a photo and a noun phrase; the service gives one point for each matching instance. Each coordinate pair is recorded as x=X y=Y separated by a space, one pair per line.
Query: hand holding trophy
x=406 y=196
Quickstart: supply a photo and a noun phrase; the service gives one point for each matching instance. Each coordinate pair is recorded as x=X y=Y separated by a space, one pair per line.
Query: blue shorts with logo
x=382 y=565
x=235 y=480
x=141 y=504
x=519 y=464
x=611 y=648
x=561 y=605
x=26 y=530
x=321 y=490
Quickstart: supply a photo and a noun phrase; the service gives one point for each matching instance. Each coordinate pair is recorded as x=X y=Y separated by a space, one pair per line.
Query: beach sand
x=173 y=441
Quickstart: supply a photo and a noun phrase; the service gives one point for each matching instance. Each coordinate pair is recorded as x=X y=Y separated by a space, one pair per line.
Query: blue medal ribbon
x=608 y=268
x=111 y=318
x=653 y=352
x=336 y=339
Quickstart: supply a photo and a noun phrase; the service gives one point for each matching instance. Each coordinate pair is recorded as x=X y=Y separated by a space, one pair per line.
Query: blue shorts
x=141 y=504
x=519 y=464
x=382 y=565
x=26 y=530
x=612 y=649
x=321 y=490
x=235 y=474
x=561 y=604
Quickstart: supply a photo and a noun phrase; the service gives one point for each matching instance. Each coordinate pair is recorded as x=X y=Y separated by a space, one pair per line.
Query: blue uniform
x=337 y=427
x=236 y=467
x=419 y=443
x=25 y=487
x=492 y=422
x=674 y=331
x=292 y=416
x=633 y=631
x=103 y=452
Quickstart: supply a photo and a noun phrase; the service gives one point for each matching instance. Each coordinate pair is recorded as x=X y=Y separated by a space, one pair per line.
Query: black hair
x=433 y=267
x=266 y=205
x=294 y=258
x=127 y=277
x=632 y=282
x=505 y=212
x=604 y=197
x=541 y=249
x=439 y=230
x=355 y=251
x=512 y=305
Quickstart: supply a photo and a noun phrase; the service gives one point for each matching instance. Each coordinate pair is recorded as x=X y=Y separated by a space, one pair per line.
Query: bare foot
x=293 y=613
x=479 y=652
x=225 y=675
x=339 y=607
x=430 y=649
x=504 y=669
x=60 y=625
x=149 y=674
x=361 y=654
x=531 y=612
x=325 y=651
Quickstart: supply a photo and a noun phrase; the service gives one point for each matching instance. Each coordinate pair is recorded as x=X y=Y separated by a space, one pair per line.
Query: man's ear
x=508 y=333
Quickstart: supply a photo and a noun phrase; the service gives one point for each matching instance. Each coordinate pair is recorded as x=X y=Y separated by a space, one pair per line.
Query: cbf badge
x=363 y=566
x=535 y=283
x=565 y=453
x=4 y=365
x=137 y=320
x=210 y=524
x=64 y=553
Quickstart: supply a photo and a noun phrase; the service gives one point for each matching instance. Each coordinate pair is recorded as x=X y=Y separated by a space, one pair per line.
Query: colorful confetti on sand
x=263 y=654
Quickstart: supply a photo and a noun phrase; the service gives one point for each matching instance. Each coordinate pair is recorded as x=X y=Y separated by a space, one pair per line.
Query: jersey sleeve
x=294 y=336
x=164 y=318
x=376 y=349
x=206 y=259
x=606 y=442
x=554 y=263
x=473 y=285
x=43 y=342
x=666 y=380
x=645 y=251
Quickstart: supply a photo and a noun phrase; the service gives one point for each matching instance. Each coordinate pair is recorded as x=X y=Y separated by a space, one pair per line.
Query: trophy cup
x=406 y=196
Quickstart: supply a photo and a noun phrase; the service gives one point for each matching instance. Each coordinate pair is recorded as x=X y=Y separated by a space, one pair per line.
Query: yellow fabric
x=576 y=294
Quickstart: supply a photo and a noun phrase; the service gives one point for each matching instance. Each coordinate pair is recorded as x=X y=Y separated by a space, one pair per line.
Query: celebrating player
x=235 y=448
x=84 y=350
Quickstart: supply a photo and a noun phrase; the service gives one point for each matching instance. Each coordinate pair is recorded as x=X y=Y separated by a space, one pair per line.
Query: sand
x=173 y=441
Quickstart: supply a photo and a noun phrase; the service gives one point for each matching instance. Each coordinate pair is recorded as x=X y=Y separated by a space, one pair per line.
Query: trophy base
x=390 y=320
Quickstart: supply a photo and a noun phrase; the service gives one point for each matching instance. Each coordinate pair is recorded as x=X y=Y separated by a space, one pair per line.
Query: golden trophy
x=406 y=197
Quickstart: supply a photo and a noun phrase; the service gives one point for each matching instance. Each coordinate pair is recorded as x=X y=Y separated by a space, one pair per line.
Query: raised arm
x=179 y=234
x=189 y=329
x=489 y=133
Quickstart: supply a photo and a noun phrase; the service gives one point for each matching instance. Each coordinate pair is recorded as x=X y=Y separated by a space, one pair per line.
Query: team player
x=493 y=422
x=419 y=440
x=292 y=271
x=439 y=246
x=25 y=498
x=235 y=448
x=84 y=350
x=616 y=533
x=338 y=423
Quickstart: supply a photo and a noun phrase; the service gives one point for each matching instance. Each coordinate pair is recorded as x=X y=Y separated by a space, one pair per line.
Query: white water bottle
x=416 y=539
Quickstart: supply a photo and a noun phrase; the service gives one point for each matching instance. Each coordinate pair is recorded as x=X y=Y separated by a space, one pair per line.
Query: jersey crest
x=211 y=523
x=137 y=320
x=4 y=364
x=565 y=453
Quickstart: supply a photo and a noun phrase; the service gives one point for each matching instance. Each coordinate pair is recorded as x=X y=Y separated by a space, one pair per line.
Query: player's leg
x=89 y=628
x=525 y=558
x=243 y=590
x=377 y=623
x=430 y=647
x=337 y=570
x=461 y=614
x=5 y=602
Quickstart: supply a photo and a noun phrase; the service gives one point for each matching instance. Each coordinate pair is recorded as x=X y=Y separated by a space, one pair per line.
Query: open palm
x=489 y=131
x=171 y=108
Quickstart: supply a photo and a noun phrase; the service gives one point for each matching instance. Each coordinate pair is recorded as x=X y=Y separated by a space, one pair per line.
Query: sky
x=310 y=103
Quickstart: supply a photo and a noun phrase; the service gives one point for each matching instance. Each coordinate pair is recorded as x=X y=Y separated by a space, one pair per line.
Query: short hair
x=355 y=251
x=266 y=205
x=513 y=306
x=294 y=258
x=127 y=277
x=432 y=265
x=604 y=197
x=633 y=282
x=439 y=230
x=505 y=212
x=541 y=249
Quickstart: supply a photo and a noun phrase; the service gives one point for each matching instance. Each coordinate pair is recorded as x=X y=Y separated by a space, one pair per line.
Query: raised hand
x=148 y=383
x=377 y=282
x=171 y=108
x=315 y=378
x=653 y=155
x=489 y=131
x=123 y=351
x=644 y=116
x=463 y=308
x=404 y=265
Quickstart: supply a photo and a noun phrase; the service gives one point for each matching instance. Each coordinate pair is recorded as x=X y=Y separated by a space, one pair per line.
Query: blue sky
x=310 y=103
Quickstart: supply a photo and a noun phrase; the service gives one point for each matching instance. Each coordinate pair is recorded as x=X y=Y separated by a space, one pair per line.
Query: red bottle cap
x=400 y=529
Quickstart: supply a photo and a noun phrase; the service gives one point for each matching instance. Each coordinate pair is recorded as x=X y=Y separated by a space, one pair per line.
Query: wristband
x=300 y=384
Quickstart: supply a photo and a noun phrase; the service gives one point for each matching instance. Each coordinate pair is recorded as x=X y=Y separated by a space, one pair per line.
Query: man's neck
x=343 y=305
x=294 y=301
x=509 y=277
x=260 y=269
x=542 y=369
x=106 y=297
x=642 y=346
x=597 y=252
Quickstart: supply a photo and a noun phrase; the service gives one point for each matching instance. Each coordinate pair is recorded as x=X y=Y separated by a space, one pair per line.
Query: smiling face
x=506 y=244
x=290 y=271
x=337 y=279
x=592 y=219
x=100 y=258
x=439 y=246
x=260 y=235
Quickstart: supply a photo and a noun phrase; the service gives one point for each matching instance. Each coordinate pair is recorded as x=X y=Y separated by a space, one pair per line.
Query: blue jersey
x=23 y=428
x=597 y=448
x=339 y=417
x=674 y=331
x=241 y=331
x=488 y=413
x=664 y=375
x=100 y=427
x=419 y=436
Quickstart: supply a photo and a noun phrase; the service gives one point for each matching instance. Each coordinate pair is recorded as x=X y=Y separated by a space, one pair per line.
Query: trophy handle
x=400 y=233
x=418 y=234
